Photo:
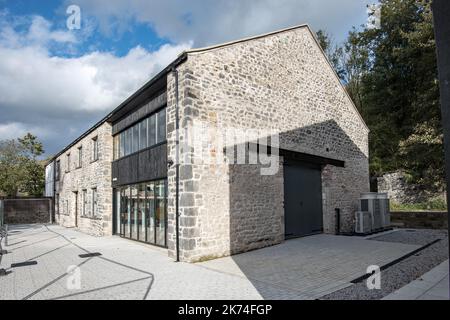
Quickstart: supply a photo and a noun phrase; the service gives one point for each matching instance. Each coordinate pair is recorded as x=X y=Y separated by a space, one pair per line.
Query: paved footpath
x=433 y=285
x=131 y=270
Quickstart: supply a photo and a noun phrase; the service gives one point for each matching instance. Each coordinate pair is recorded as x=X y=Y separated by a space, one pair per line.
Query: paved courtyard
x=304 y=268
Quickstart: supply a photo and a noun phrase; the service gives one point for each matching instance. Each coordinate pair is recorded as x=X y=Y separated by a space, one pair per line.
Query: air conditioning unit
x=363 y=222
x=384 y=210
x=378 y=205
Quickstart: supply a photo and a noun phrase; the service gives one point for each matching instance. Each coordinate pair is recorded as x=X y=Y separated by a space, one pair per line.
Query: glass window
x=160 y=213
x=152 y=130
x=134 y=212
x=161 y=135
x=143 y=134
x=57 y=170
x=127 y=142
x=122 y=144
x=68 y=162
x=57 y=203
x=116 y=146
x=150 y=208
x=125 y=211
x=135 y=145
x=141 y=213
x=95 y=149
x=84 y=206
x=94 y=202
x=80 y=156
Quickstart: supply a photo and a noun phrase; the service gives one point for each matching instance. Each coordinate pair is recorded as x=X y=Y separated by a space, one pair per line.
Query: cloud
x=207 y=22
x=49 y=88
x=45 y=93
x=14 y=130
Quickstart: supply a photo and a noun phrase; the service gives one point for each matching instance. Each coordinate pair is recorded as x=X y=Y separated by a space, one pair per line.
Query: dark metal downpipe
x=338 y=221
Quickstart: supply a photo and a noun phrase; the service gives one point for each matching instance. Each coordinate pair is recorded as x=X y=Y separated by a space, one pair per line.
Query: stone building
x=269 y=147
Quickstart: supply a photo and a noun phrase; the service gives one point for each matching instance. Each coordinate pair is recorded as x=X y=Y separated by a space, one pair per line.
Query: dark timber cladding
x=146 y=165
x=150 y=163
x=142 y=112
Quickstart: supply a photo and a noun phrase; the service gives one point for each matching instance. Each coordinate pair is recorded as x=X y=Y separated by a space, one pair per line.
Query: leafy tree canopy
x=391 y=74
x=20 y=169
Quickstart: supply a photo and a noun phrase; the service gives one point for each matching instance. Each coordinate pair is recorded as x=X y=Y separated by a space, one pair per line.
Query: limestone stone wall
x=92 y=174
x=281 y=82
x=401 y=191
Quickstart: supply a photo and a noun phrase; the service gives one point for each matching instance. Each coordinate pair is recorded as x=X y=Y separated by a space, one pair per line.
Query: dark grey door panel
x=302 y=199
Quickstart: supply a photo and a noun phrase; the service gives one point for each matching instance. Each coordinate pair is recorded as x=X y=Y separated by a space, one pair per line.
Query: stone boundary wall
x=420 y=219
x=27 y=210
x=401 y=191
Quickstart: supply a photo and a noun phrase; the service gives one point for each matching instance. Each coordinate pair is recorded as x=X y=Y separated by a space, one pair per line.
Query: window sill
x=94 y=161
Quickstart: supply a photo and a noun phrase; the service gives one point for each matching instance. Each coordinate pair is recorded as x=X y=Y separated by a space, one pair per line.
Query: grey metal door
x=302 y=199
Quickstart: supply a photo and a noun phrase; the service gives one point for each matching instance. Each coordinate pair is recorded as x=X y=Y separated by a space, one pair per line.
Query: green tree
x=12 y=172
x=20 y=168
x=391 y=74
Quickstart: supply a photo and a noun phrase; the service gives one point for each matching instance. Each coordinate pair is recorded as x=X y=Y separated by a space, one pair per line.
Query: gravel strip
x=402 y=273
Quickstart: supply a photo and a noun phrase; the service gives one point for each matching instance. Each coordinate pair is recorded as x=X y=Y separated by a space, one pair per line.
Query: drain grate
x=23 y=264
x=89 y=255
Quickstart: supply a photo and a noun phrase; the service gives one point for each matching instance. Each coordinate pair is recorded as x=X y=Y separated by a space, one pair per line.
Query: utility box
x=377 y=206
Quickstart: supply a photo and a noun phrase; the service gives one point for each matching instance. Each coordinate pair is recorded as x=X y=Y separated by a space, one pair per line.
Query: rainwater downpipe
x=177 y=166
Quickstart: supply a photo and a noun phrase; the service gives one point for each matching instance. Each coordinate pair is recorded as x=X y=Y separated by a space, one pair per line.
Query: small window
x=95 y=149
x=80 y=156
x=57 y=203
x=68 y=162
x=84 y=204
x=57 y=170
x=94 y=202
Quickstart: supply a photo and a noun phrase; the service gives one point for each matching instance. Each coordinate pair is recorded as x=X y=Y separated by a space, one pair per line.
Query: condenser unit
x=378 y=205
x=364 y=222
x=385 y=212
x=369 y=202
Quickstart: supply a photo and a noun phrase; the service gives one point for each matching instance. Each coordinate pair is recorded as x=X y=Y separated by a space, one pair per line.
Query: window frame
x=68 y=162
x=84 y=202
x=57 y=170
x=80 y=157
x=94 y=202
x=95 y=156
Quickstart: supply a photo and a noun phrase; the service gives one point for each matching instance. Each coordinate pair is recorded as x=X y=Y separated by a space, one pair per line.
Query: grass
x=437 y=204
